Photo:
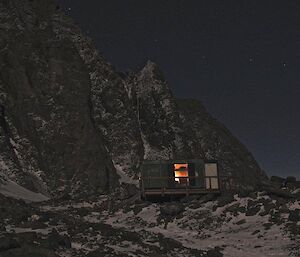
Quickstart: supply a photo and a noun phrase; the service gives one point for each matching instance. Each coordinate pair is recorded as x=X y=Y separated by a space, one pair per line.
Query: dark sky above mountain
x=240 y=58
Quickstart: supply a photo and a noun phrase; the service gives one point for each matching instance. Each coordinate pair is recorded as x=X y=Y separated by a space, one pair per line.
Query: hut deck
x=179 y=191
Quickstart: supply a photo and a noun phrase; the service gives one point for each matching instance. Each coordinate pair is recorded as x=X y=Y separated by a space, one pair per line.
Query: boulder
x=207 y=198
x=97 y=253
x=45 y=216
x=64 y=196
x=283 y=209
x=27 y=238
x=234 y=208
x=253 y=208
x=253 y=211
x=171 y=209
x=214 y=253
x=2 y=227
x=291 y=179
x=268 y=206
x=168 y=243
x=253 y=195
x=279 y=193
x=128 y=191
x=33 y=225
x=244 y=193
x=277 y=180
x=139 y=207
x=268 y=225
x=83 y=211
x=225 y=199
x=265 y=185
x=296 y=191
x=294 y=215
x=7 y=243
x=240 y=222
x=55 y=240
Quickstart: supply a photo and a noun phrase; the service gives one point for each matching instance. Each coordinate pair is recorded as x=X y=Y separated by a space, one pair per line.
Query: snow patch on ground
x=44 y=231
x=124 y=178
x=75 y=205
x=12 y=189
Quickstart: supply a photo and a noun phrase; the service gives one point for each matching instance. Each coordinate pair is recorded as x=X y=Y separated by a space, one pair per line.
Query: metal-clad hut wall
x=154 y=174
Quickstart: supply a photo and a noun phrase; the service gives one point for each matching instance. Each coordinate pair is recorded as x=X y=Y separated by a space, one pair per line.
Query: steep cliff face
x=161 y=128
x=112 y=102
x=70 y=120
x=46 y=91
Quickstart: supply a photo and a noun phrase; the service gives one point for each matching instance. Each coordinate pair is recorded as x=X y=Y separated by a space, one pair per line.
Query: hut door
x=211 y=176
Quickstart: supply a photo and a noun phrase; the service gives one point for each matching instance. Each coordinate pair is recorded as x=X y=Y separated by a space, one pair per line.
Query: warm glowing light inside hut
x=181 y=172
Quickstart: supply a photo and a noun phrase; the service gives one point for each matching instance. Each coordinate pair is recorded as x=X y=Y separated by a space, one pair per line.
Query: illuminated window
x=181 y=173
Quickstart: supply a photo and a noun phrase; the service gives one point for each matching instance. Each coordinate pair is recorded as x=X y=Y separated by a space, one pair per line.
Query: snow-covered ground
x=258 y=226
x=205 y=228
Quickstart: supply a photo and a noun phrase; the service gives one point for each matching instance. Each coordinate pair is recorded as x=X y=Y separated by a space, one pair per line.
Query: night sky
x=240 y=58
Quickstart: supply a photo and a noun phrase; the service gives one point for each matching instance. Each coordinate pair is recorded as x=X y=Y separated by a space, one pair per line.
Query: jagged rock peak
x=152 y=71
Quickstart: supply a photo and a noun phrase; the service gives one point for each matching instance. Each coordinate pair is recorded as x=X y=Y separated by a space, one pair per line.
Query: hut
x=179 y=177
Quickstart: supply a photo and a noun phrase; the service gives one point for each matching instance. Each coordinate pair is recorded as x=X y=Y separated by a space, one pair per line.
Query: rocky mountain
x=70 y=121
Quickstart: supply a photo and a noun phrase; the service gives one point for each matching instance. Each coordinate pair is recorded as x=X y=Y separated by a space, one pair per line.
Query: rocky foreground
x=265 y=223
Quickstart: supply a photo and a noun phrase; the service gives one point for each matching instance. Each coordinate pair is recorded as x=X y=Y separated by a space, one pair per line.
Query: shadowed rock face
x=213 y=141
x=46 y=90
x=70 y=119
